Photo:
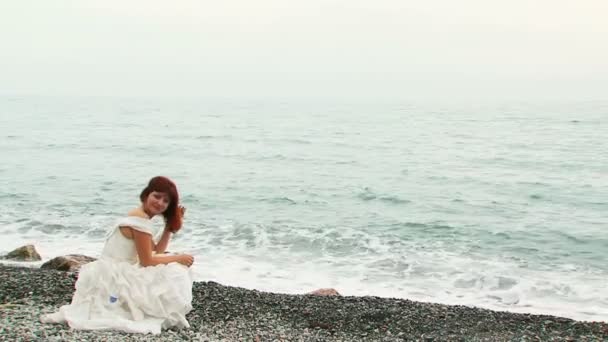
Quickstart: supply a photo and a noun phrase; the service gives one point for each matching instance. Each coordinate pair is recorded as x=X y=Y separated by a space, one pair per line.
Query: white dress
x=116 y=293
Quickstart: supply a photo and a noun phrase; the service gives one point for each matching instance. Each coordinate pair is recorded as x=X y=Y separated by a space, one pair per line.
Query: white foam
x=253 y=260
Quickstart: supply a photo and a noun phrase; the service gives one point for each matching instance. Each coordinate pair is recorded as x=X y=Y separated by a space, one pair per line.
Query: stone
x=69 y=263
x=324 y=292
x=24 y=253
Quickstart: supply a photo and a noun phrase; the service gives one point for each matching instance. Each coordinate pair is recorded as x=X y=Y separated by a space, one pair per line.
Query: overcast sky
x=342 y=48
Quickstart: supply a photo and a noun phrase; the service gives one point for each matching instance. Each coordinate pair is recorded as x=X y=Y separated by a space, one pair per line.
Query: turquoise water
x=502 y=206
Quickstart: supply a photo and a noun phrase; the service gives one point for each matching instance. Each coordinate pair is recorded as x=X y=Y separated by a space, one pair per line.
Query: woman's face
x=156 y=203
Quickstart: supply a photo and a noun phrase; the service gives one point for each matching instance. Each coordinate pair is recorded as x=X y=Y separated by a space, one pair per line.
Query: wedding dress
x=116 y=293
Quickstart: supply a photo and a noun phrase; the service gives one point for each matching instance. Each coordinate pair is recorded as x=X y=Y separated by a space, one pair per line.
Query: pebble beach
x=224 y=313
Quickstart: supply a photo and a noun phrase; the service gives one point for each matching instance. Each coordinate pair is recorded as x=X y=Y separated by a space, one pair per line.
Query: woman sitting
x=134 y=286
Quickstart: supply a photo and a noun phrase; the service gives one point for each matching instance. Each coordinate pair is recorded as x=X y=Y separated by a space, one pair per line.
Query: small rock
x=71 y=262
x=24 y=253
x=324 y=292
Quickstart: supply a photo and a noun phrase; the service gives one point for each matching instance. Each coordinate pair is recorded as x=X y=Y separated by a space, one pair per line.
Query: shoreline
x=225 y=313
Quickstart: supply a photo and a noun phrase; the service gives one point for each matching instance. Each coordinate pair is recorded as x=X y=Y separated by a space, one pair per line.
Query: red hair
x=173 y=216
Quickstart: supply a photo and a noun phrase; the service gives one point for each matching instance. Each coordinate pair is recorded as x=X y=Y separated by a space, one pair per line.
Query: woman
x=134 y=286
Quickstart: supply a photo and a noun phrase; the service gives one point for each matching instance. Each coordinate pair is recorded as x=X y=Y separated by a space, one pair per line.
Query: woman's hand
x=186 y=259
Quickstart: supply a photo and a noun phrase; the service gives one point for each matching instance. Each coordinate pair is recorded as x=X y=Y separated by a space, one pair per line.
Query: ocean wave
x=369 y=195
x=279 y=200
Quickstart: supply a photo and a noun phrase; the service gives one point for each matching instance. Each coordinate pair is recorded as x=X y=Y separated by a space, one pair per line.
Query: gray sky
x=313 y=48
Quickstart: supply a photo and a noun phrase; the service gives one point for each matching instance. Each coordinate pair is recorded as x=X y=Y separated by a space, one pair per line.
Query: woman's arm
x=162 y=244
x=164 y=240
x=143 y=245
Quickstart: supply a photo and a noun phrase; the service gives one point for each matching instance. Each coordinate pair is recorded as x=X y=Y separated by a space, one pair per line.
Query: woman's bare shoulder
x=138 y=212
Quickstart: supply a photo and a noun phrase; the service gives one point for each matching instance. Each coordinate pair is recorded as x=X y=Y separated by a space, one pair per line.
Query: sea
x=500 y=205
